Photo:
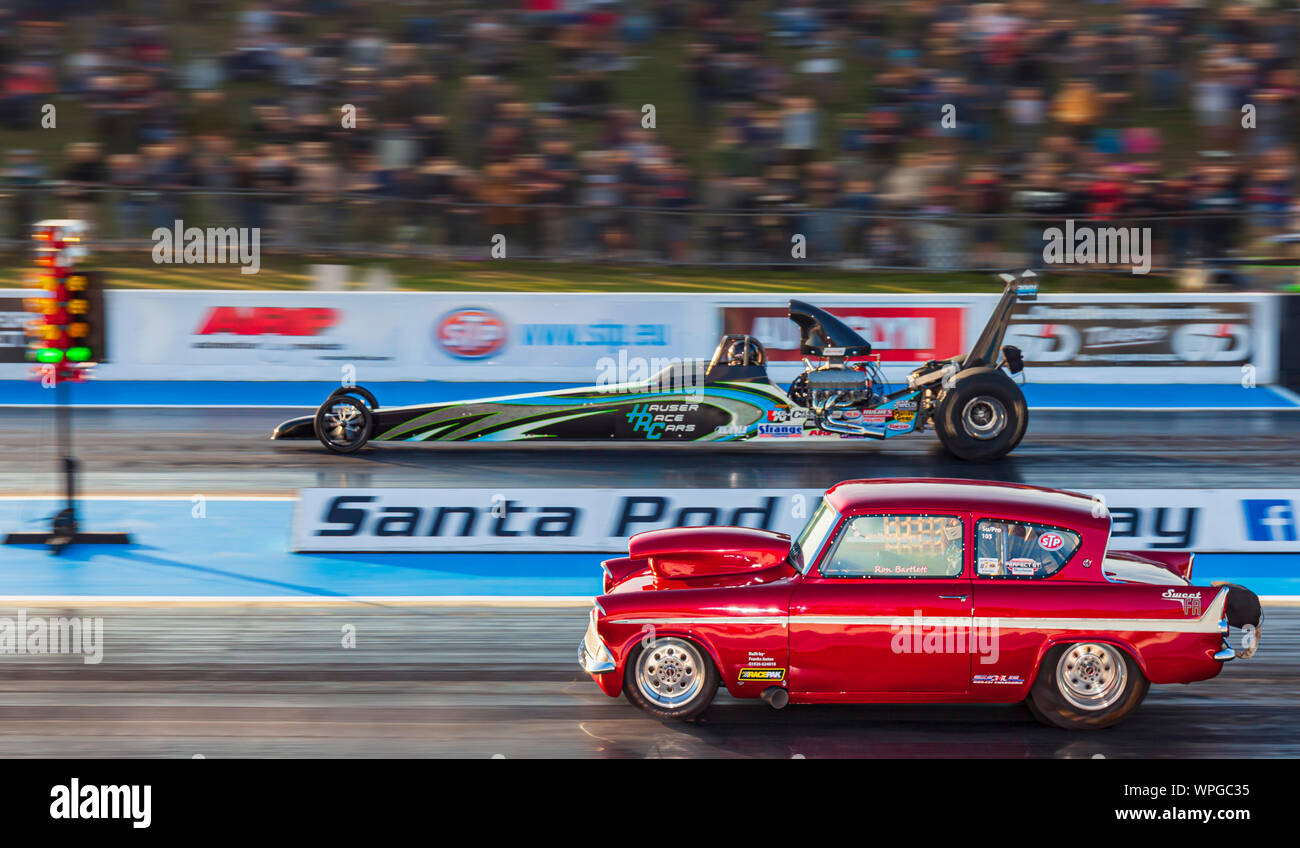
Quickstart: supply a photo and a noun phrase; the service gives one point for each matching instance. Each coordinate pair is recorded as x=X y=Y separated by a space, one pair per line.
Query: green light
x=49 y=354
x=78 y=354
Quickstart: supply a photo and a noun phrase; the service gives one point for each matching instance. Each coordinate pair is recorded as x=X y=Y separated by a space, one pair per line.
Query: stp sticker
x=471 y=333
x=1050 y=541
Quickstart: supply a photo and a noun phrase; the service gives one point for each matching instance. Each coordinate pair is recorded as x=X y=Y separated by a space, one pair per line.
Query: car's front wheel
x=1087 y=685
x=343 y=423
x=670 y=678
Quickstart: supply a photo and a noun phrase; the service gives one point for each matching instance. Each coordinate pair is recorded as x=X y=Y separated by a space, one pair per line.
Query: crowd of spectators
x=911 y=132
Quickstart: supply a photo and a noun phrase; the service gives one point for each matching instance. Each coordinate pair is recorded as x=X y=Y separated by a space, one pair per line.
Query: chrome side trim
x=708 y=619
x=1208 y=622
x=1133 y=625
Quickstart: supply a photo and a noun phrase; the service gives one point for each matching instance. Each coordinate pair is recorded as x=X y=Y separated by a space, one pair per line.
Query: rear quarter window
x=1021 y=549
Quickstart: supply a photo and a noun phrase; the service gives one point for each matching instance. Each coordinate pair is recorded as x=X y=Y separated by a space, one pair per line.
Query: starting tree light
x=67 y=334
x=69 y=327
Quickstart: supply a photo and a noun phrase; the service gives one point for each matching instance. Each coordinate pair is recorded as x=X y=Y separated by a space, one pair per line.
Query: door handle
x=953 y=597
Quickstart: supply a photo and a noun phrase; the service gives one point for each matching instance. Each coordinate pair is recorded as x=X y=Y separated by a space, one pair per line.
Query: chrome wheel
x=984 y=417
x=1091 y=676
x=344 y=422
x=670 y=673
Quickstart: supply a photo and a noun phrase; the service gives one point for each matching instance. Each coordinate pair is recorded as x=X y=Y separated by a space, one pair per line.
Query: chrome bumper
x=593 y=656
x=1227 y=652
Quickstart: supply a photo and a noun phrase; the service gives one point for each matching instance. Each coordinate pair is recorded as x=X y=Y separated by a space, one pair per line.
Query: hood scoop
x=686 y=552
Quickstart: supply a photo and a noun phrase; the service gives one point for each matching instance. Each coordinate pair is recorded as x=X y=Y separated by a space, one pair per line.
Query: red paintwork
x=1179 y=562
x=687 y=552
x=732 y=591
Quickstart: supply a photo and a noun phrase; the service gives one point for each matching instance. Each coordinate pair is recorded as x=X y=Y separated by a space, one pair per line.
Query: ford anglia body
x=911 y=591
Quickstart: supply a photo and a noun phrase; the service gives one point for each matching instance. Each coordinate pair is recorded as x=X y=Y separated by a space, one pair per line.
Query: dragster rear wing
x=987 y=347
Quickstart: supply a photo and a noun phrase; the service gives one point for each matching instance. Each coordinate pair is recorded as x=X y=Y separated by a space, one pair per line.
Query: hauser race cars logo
x=655 y=419
x=471 y=333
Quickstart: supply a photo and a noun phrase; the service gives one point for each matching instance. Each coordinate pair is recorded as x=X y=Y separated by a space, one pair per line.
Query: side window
x=897 y=546
x=1021 y=549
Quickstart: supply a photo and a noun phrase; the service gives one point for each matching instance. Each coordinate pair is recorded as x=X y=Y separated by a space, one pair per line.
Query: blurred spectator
x=815 y=116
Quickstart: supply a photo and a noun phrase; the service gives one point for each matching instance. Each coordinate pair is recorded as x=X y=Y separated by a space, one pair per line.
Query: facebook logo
x=1269 y=521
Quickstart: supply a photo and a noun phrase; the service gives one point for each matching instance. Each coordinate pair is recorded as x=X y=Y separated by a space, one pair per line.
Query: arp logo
x=1269 y=520
x=471 y=333
x=643 y=421
x=267 y=321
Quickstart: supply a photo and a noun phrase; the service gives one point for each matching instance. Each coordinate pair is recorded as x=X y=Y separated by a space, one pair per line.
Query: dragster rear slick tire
x=983 y=416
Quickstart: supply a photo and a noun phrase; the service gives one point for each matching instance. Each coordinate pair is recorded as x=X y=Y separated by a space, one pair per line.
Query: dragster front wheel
x=358 y=391
x=344 y=423
x=983 y=415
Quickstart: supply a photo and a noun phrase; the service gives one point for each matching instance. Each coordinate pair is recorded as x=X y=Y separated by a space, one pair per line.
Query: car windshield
x=813 y=536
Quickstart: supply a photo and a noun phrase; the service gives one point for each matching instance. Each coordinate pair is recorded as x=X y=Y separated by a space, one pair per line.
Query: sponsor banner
x=601 y=520
x=13 y=318
x=900 y=334
x=906 y=330
x=1205 y=338
x=605 y=338
x=385 y=336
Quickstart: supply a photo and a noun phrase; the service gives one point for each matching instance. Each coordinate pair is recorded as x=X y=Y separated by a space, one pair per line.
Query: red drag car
x=912 y=591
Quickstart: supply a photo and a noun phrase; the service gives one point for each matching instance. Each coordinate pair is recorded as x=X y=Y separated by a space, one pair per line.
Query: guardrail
x=396 y=224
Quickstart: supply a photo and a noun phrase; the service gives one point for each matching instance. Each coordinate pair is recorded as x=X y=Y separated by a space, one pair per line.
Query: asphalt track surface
x=228 y=451
x=502 y=681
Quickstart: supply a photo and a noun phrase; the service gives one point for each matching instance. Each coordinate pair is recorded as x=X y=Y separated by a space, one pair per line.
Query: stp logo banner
x=471 y=333
x=904 y=334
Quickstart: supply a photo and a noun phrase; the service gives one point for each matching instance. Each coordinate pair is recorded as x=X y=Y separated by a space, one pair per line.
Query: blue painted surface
x=207 y=393
x=241 y=549
x=196 y=393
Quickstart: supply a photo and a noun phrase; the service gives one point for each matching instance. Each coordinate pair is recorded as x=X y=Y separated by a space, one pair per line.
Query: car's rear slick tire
x=692 y=664
x=1050 y=698
x=981 y=397
x=322 y=425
